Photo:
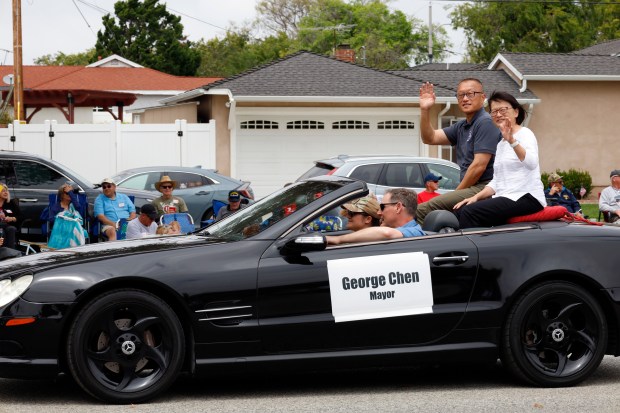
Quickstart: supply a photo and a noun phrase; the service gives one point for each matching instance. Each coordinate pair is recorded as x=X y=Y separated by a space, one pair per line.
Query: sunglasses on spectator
x=382 y=206
x=106 y=186
x=165 y=186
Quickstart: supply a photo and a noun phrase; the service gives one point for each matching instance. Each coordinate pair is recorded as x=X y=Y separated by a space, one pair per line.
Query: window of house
x=447 y=152
x=350 y=124
x=305 y=124
x=259 y=124
x=396 y=124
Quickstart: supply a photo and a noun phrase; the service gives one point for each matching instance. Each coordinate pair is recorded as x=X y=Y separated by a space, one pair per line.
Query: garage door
x=271 y=151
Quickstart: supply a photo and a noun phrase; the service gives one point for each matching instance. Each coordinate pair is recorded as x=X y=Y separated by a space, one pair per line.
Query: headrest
x=439 y=219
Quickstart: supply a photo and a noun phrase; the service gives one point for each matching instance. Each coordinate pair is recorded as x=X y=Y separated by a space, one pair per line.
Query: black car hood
x=101 y=250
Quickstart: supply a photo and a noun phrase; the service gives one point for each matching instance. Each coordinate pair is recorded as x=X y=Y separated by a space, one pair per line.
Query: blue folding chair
x=184 y=219
x=46 y=215
x=121 y=232
x=216 y=208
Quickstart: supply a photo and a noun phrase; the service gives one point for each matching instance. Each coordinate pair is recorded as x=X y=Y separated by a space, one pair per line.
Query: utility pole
x=18 y=79
x=430 y=32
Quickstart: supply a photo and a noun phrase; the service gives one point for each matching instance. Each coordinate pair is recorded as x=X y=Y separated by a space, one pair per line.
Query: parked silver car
x=197 y=186
x=382 y=172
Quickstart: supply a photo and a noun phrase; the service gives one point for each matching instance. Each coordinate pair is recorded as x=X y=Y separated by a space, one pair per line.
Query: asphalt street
x=431 y=389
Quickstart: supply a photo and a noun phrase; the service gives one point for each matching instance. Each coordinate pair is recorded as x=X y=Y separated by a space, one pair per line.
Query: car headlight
x=11 y=289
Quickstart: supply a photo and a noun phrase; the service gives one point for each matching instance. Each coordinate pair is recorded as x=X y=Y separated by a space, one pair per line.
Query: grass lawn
x=590 y=210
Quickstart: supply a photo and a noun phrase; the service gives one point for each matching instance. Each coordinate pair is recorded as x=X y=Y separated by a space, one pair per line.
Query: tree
x=146 y=33
x=238 y=52
x=560 y=27
x=61 y=59
x=283 y=15
x=391 y=40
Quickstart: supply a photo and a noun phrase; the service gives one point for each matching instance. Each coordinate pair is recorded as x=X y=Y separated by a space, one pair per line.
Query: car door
x=295 y=306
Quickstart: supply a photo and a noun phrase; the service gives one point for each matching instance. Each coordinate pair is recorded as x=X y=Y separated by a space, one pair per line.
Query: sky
x=70 y=26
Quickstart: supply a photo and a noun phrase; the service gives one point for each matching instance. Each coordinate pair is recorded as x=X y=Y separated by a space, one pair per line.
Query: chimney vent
x=345 y=53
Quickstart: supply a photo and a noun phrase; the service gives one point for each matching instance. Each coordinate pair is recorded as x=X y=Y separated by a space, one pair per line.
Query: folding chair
x=46 y=216
x=121 y=233
x=184 y=219
x=216 y=208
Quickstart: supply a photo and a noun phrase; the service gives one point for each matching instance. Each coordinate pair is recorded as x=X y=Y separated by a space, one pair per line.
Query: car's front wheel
x=555 y=335
x=125 y=346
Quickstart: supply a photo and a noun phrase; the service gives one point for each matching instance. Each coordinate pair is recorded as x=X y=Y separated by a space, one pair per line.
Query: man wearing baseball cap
x=558 y=194
x=431 y=183
x=110 y=207
x=609 y=202
x=234 y=205
x=362 y=213
x=145 y=225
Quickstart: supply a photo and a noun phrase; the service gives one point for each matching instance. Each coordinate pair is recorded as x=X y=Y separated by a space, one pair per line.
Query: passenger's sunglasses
x=351 y=214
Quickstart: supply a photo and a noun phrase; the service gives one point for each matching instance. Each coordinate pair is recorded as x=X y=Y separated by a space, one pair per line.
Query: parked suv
x=382 y=172
x=32 y=178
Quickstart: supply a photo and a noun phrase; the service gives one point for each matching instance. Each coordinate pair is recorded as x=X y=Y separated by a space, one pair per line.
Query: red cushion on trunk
x=549 y=213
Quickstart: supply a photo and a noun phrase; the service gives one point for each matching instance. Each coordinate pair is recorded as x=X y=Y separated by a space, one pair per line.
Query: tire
x=125 y=346
x=555 y=335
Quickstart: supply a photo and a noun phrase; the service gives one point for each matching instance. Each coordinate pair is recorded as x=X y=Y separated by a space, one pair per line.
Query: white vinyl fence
x=96 y=151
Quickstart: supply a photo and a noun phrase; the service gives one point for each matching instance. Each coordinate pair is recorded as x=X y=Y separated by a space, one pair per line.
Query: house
x=96 y=93
x=274 y=120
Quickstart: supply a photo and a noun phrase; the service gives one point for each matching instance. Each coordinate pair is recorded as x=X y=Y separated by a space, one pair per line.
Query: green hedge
x=573 y=179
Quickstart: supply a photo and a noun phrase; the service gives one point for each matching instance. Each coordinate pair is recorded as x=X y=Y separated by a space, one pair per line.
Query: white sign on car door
x=380 y=286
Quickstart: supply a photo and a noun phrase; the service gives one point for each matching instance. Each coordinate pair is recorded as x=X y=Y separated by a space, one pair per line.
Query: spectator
x=558 y=194
x=609 y=202
x=146 y=223
x=362 y=213
x=516 y=188
x=234 y=205
x=111 y=207
x=167 y=203
x=67 y=230
x=397 y=212
x=475 y=139
x=431 y=184
x=7 y=252
x=9 y=217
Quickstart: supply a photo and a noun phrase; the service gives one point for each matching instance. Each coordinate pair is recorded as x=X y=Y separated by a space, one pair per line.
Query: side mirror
x=304 y=243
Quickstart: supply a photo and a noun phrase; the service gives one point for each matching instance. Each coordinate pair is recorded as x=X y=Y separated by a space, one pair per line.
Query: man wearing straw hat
x=167 y=203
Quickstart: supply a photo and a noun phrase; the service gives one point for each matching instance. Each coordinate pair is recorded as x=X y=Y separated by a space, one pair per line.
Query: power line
x=83 y=17
x=195 y=18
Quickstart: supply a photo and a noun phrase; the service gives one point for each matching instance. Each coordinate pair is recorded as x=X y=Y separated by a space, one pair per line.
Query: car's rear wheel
x=555 y=335
x=125 y=346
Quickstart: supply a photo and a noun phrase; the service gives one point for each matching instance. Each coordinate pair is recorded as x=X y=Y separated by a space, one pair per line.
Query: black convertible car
x=259 y=291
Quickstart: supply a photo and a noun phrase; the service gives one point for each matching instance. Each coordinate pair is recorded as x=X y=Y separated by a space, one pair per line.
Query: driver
x=397 y=212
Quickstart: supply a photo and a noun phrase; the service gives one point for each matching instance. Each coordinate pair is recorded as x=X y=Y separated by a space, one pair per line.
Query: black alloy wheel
x=555 y=335
x=125 y=346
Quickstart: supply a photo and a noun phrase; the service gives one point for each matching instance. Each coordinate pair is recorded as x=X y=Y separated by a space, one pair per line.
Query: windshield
x=268 y=211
